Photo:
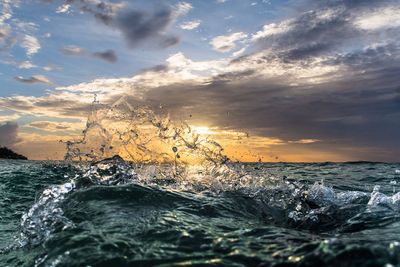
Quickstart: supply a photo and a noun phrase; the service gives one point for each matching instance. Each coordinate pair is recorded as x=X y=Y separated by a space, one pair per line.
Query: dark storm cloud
x=8 y=134
x=157 y=68
x=231 y=76
x=108 y=55
x=359 y=109
x=139 y=26
x=136 y=26
x=371 y=57
x=356 y=3
x=169 y=41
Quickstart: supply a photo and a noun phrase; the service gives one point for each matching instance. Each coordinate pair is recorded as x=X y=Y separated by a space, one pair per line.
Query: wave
x=171 y=197
x=262 y=196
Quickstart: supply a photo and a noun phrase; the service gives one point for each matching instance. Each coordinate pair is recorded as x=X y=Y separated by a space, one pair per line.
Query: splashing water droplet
x=142 y=136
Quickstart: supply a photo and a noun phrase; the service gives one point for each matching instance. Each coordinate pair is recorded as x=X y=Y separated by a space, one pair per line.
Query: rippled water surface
x=113 y=214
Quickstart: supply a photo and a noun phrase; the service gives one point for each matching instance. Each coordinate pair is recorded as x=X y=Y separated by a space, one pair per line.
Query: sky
x=301 y=80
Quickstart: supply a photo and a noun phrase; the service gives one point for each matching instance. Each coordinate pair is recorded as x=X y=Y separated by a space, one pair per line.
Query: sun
x=202 y=130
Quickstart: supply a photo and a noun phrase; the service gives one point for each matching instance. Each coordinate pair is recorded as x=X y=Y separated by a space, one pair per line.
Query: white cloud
x=272 y=29
x=388 y=17
x=304 y=141
x=34 y=79
x=6 y=118
x=25 y=26
x=190 y=25
x=72 y=50
x=73 y=101
x=52 y=67
x=26 y=65
x=226 y=43
x=179 y=69
x=50 y=126
x=239 y=52
x=181 y=66
x=182 y=8
x=41 y=78
x=6 y=12
x=30 y=44
x=63 y=8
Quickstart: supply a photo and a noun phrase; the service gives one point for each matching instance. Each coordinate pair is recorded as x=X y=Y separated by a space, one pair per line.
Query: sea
x=112 y=212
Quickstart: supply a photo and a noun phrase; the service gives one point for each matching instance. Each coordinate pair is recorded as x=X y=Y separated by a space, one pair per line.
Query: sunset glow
x=280 y=80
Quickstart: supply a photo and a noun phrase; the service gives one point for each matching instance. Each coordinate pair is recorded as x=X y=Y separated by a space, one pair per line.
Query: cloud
x=226 y=43
x=380 y=18
x=182 y=8
x=239 y=52
x=72 y=50
x=63 y=8
x=310 y=34
x=56 y=104
x=14 y=31
x=30 y=44
x=8 y=118
x=9 y=134
x=33 y=79
x=357 y=105
x=137 y=26
x=52 y=67
x=26 y=65
x=272 y=29
x=108 y=55
x=56 y=126
x=7 y=40
x=329 y=30
x=42 y=147
x=190 y=25
x=304 y=141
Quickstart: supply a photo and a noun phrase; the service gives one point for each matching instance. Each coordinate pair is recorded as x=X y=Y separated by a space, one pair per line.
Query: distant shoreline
x=6 y=153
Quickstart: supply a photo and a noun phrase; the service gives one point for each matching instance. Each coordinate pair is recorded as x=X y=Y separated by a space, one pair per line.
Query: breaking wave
x=141 y=190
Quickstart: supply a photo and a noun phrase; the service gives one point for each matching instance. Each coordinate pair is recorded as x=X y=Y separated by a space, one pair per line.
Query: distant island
x=6 y=153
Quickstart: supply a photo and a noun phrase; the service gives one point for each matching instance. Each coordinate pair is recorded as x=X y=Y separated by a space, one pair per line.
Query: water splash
x=45 y=215
x=136 y=154
x=142 y=136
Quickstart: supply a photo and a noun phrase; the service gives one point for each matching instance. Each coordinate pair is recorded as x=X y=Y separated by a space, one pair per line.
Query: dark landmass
x=6 y=153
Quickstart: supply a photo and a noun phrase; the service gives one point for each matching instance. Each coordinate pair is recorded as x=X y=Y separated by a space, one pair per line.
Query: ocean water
x=113 y=213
